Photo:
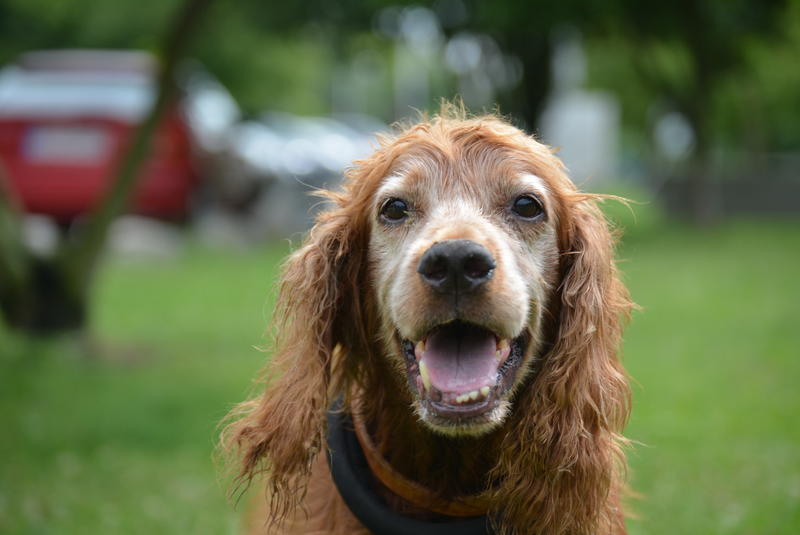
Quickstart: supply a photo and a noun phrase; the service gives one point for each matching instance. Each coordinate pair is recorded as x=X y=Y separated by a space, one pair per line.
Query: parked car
x=67 y=117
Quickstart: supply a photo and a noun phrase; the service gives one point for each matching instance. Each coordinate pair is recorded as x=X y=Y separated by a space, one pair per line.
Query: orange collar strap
x=411 y=491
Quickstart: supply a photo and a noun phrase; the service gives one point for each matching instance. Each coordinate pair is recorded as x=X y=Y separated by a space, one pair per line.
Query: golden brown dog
x=461 y=298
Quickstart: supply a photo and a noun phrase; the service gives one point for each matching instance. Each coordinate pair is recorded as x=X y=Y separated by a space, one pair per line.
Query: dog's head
x=460 y=257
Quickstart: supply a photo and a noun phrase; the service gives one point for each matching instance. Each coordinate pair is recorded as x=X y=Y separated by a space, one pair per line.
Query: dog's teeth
x=419 y=349
x=502 y=353
x=423 y=372
x=503 y=344
x=468 y=397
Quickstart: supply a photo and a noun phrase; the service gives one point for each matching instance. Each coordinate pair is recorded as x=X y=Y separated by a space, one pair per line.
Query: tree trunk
x=697 y=106
x=702 y=198
x=48 y=306
x=15 y=267
x=527 y=100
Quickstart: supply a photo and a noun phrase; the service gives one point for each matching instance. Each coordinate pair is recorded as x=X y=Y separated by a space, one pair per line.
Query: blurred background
x=155 y=164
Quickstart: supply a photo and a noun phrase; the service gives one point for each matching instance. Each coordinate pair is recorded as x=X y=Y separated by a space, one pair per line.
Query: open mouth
x=461 y=370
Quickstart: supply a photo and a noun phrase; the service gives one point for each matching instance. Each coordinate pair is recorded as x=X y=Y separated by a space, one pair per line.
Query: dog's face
x=464 y=255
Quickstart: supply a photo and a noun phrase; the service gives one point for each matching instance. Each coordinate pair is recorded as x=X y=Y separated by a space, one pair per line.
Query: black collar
x=351 y=475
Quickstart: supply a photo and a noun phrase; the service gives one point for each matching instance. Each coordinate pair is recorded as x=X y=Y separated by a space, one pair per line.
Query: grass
x=715 y=356
x=122 y=442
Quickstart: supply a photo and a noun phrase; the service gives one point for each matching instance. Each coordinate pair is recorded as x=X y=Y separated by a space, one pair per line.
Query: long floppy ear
x=562 y=472
x=281 y=432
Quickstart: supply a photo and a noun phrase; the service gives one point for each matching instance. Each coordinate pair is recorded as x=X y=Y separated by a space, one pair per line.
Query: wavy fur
x=556 y=466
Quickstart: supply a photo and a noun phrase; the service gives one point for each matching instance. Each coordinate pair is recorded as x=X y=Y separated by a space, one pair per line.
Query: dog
x=446 y=349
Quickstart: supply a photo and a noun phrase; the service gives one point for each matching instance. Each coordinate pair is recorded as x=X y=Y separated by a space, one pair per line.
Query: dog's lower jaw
x=488 y=422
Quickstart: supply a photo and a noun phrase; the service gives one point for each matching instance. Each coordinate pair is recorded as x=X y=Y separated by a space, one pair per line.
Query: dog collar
x=351 y=474
x=411 y=491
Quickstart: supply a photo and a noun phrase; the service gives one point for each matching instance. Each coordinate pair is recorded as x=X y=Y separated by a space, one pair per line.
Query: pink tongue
x=461 y=358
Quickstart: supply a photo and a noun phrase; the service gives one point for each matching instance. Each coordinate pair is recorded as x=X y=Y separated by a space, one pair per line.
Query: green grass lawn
x=122 y=442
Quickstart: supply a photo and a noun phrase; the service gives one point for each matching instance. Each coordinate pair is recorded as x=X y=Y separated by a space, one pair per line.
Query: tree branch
x=79 y=256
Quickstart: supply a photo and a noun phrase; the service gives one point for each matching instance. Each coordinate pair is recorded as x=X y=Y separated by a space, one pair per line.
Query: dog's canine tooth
x=423 y=372
x=419 y=349
x=485 y=390
x=503 y=351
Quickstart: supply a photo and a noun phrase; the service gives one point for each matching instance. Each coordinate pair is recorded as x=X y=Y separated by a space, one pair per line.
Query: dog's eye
x=394 y=210
x=527 y=207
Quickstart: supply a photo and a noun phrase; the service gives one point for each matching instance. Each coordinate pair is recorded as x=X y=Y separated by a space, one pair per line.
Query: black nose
x=456 y=266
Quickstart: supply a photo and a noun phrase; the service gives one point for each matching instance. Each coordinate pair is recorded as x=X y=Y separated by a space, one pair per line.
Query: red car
x=66 y=118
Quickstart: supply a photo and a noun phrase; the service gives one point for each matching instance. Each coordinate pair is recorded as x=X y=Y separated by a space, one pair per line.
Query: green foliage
x=123 y=442
x=729 y=67
x=759 y=108
x=266 y=71
x=26 y=25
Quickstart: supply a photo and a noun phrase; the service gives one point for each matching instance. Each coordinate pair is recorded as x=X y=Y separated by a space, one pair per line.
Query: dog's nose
x=456 y=266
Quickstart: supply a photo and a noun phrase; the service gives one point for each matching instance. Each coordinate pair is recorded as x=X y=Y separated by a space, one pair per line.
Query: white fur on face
x=525 y=254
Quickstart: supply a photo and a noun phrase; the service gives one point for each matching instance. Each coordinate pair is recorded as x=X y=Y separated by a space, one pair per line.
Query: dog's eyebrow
x=535 y=183
x=391 y=184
